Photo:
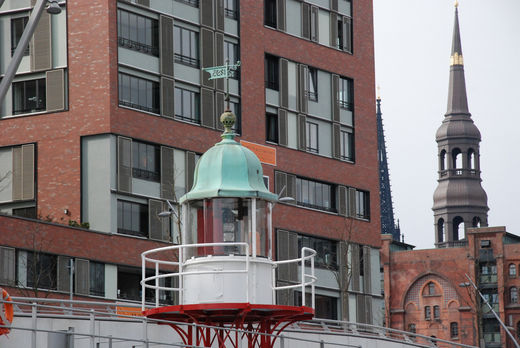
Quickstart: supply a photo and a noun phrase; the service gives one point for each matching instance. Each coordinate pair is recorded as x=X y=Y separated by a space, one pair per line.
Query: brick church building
x=429 y=291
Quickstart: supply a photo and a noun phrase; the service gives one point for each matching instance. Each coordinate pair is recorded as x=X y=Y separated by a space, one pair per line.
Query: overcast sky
x=412 y=48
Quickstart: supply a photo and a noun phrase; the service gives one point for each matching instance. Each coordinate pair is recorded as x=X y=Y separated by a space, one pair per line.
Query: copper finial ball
x=228 y=120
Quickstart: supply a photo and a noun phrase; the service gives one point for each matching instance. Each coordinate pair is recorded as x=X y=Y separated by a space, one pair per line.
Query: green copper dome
x=228 y=169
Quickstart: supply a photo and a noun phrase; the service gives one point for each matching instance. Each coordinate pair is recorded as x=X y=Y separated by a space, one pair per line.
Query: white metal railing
x=306 y=279
x=176 y=270
x=181 y=249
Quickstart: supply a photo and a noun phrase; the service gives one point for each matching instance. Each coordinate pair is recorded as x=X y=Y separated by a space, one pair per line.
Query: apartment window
x=314 y=194
x=362 y=205
x=41 y=270
x=145 y=161
x=326 y=307
x=271 y=72
x=231 y=54
x=231 y=9
x=97 y=278
x=427 y=313
x=138 y=33
x=17 y=27
x=132 y=218
x=270 y=13
x=346 y=97
x=186 y=48
x=326 y=250
x=271 y=127
x=339 y=39
x=344 y=38
x=187 y=105
x=25 y=212
x=347 y=145
x=192 y=3
x=29 y=96
x=312 y=84
x=138 y=93
x=312 y=137
x=454 y=330
x=436 y=312
x=513 y=295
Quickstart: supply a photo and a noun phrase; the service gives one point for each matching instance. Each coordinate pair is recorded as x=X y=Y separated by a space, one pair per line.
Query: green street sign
x=221 y=72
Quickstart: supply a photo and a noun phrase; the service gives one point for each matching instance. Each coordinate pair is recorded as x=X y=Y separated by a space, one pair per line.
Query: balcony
x=488 y=279
x=487 y=310
x=492 y=338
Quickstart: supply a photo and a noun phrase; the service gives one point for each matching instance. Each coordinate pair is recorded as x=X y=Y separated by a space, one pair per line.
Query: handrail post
x=247 y=272
x=156 y=284
x=312 y=284
x=303 y=275
x=143 y=275
x=181 y=283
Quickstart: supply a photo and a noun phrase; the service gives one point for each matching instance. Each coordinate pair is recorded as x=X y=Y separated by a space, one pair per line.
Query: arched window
x=456 y=155
x=476 y=222
x=427 y=313
x=513 y=295
x=512 y=270
x=440 y=230
x=411 y=328
x=458 y=228
x=442 y=160
x=472 y=164
x=454 y=330
x=431 y=288
x=436 y=312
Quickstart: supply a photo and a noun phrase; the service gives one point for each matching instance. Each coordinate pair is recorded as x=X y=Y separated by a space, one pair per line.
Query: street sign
x=223 y=71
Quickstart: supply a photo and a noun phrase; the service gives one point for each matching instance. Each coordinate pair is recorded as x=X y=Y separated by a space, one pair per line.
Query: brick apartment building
x=427 y=291
x=110 y=110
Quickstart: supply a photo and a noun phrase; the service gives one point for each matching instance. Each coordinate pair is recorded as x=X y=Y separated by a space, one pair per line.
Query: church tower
x=459 y=201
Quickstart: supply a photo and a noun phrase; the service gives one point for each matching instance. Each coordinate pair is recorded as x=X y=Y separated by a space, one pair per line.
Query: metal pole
x=22 y=45
x=33 y=322
x=494 y=313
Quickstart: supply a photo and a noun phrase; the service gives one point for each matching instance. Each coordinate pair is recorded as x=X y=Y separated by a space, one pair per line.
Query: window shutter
x=166 y=47
x=41 y=51
x=335 y=98
x=190 y=169
x=284 y=83
x=314 y=29
x=282 y=127
x=336 y=141
x=143 y=2
x=167 y=99
x=351 y=202
x=219 y=57
x=167 y=173
x=368 y=309
x=155 y=222
x=54 y=90
x=360 y=310
x=302 y=139
x=302 y=95
x=219 y=15
x=82 y=277
x=64 y=273
x=334 y=5
x=306 y=17
x=347 y=35
x=7 y=266
x=366 y=270
x=219 y=107
x=207 y=49
x=28 y=171
x=342 y=200
x=333 y=29
x=206 y=13
x=280 y=23
x=287 y=249
x=291 y=187
x=207 y=108
x=124 y=164
x=280 y=181
x=354 y=277
x=17 y=173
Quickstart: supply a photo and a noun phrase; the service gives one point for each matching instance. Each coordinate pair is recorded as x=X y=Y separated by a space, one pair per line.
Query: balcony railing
x=492 y=337
x=459 y=172
x=488 y=278
x=138 y=46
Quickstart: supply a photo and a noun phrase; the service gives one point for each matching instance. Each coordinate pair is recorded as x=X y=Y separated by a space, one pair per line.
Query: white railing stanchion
x=143 y=276
x=179 y=276
x=247 y=272
x=312 y=283
x=303 y=275
x=156 y=284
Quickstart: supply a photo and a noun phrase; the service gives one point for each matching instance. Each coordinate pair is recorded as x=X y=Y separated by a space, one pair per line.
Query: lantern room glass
x=228 y=220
